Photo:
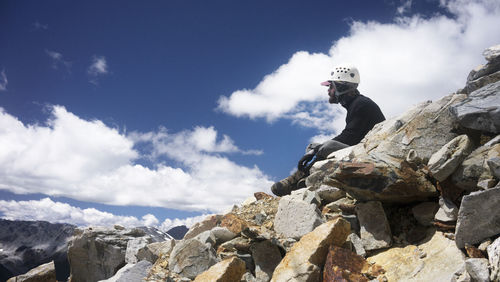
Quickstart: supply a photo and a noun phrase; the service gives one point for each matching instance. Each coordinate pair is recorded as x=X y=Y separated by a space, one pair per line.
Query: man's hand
x=304 y=161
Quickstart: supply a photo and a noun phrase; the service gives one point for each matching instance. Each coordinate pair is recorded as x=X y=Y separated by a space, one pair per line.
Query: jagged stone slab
x=43 y=273
x=445 y=161
x=298 y=214
x=231 y=269
x=435 y=260
x=306 y=258
x=191 y=257
x=494 y=259
x=481 y=110
x=207 y=224
x=375 y=232
x=478 y=217
x=475 y=168
x=344 y=265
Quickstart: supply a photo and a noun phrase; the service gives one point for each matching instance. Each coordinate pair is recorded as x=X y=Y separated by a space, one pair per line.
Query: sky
x=159 y=113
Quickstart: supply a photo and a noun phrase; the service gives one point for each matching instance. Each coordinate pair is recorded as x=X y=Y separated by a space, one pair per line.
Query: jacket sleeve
x=353 y=131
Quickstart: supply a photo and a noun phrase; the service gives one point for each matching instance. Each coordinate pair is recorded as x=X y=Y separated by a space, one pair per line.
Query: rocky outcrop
x=42 y=273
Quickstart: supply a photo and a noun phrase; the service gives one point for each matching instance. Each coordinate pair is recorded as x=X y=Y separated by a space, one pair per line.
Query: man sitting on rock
x=362 y=115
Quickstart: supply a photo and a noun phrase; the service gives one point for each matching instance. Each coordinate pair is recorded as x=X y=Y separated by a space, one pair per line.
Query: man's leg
x=329 y=147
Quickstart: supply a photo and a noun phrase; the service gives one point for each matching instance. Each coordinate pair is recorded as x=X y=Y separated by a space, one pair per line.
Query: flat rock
x=42 y=273
x=298 y=214
x=329 y=194
x=435 y=260
x=492 y=53
x=494 y=259
x=233 y=223
x=344 y=265
x=207 y=224
x=445 y=161
x=228 y=270
x=306 y=258
x=191 y=257
x=375 y=232
x=478 y=218
x=481 y=110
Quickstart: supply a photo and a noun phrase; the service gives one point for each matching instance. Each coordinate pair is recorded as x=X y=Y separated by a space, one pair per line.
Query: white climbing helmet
x=343 y=73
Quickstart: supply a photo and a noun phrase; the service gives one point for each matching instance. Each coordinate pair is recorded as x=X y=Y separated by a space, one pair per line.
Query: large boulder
x=42 y=273
x=435 y=260
x=481 y=110
x=385 y=166
x=298 y=214
x=191 y=257
x=475 y=168
x=375 y=231
x=306 y=259
x=478 y=217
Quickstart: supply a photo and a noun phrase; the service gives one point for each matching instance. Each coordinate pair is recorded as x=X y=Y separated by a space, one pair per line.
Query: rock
x=473 y=252
x=228 y=270
x=131 y=272
x=478 y=269
x=207 y=224
x=133 y=247
x=237 y=244
x=435 y=260
x=477 y=217
x=375 y=232
x=484 y=245
x=233 y=223
x=191 y=257
x=307 y=257
x=266 y=256
x=424 y=212
x=475 y=167
x=206 y=237
x=298 y=214
x=357 y=244
x=329 y=194
x=481 y=110
x=222 y=234
x=261 y=196
x=447 y=211
x=151 y=252
x=445 y=161
x=486 y=76
x=492 y=53
x=494 y=165
x=461 y=275
x=42 y=273
x=344 y=265
x=249 y=201
x=494 y=259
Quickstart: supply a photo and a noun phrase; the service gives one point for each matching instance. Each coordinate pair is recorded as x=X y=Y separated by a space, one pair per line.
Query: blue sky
x=160 y=112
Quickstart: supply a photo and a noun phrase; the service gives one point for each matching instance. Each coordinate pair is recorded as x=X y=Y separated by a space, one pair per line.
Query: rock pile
x=416 y=200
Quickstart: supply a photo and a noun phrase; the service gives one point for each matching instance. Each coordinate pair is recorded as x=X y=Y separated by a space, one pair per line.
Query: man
x=362 y=115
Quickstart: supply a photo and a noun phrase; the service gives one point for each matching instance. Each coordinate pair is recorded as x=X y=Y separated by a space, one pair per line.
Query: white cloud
x=97 y=68
x=405 y=7
x=3 y=81
x=88 y=161
x=402 y=63
x=58 y=60
x=58 y=212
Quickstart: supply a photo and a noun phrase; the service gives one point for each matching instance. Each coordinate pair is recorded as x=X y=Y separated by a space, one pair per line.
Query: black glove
x=304 y=164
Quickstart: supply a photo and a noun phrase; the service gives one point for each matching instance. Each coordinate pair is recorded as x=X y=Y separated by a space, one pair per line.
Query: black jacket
x=362 y=115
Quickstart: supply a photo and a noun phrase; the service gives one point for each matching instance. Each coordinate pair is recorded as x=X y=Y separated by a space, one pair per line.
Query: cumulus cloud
x=58 y=212
x=413 y=59
x=97 y=68
x=58 y=60
x=89 y=161
x=405 y=7
x=3 y=81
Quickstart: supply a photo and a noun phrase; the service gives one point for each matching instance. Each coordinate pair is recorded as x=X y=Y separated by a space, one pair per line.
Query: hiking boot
x=287 y=185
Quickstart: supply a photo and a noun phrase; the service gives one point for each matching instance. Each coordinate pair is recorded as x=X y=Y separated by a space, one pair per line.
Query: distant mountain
x=178 y=232
x=27 y=244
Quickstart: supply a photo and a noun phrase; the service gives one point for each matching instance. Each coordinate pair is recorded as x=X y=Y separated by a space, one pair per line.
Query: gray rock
x=191 y=257
x=298 y=214
x=478 y=269
x=494 y=165
x=484 y=76
x=461 y=275
x=206 y=237
x=494 y=259
x=424 y=212
x=375 y=232
x=222 y=234
x=266 y=256
x=475 y=168
x=133 y=247
x=448 y=211
x=207 y=224
x=492 y=53
x=478 y=218
x=131 y=272
x=152 y=251
x=329 y=194
x=445 y=161
x=481 y=110
x=357 y=244
x=353 y=220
